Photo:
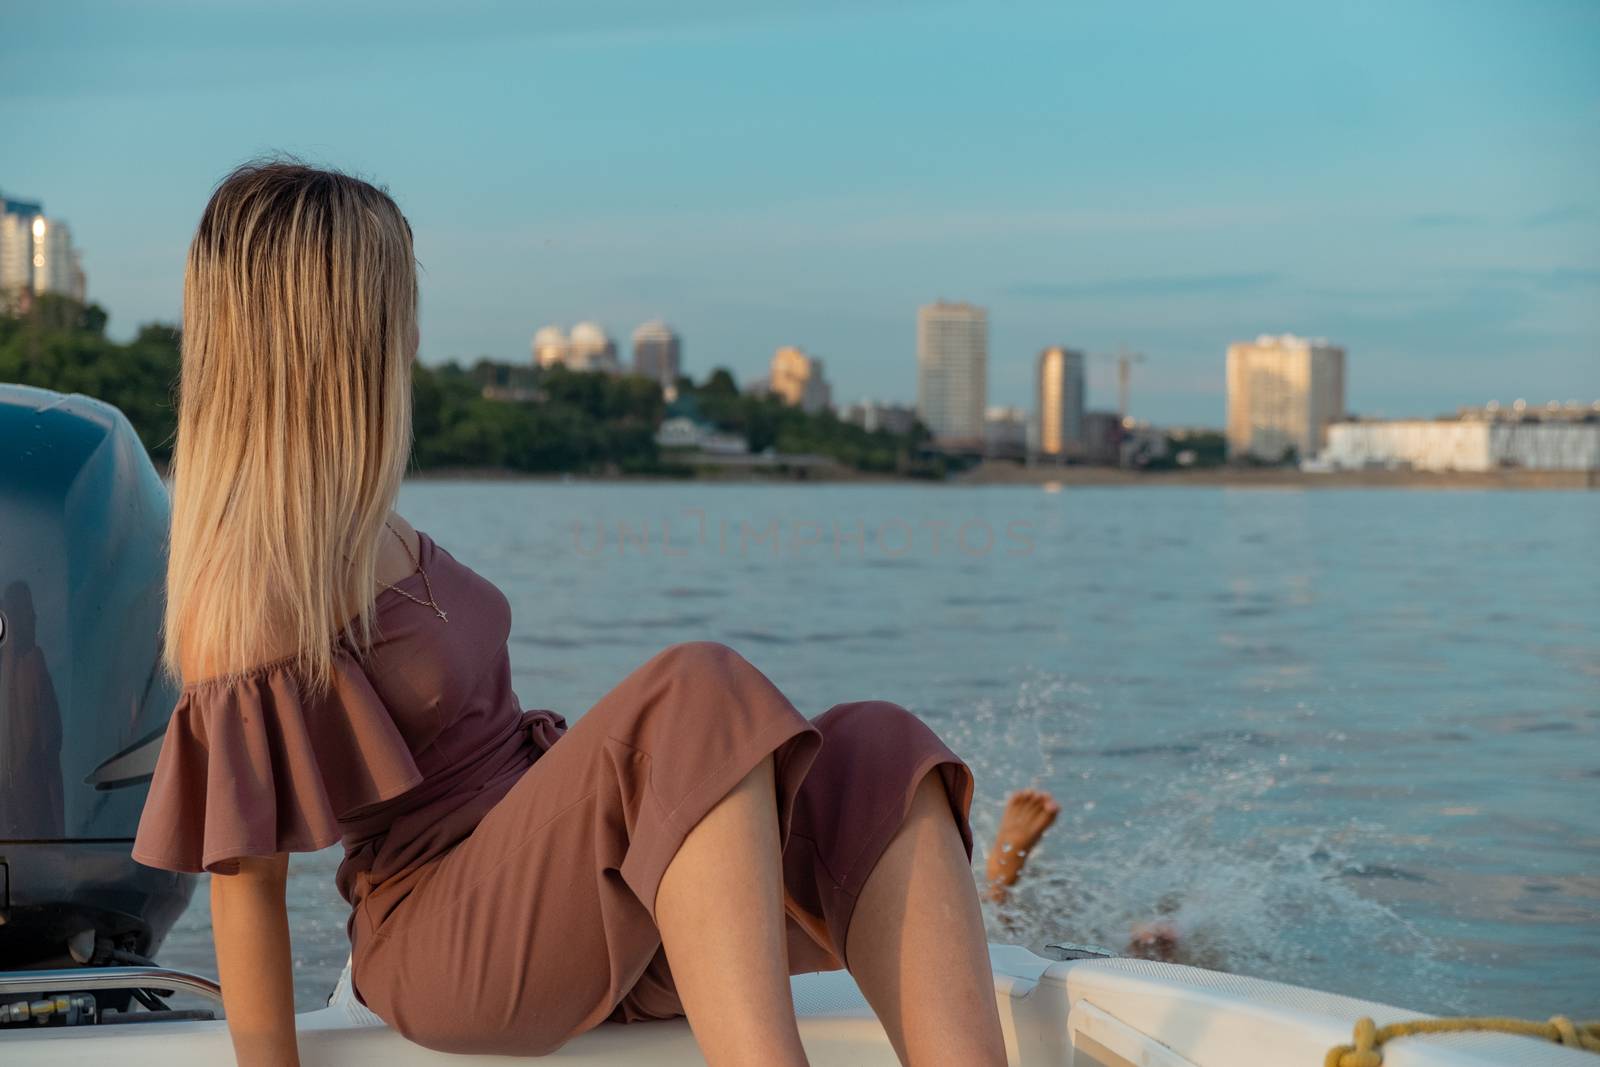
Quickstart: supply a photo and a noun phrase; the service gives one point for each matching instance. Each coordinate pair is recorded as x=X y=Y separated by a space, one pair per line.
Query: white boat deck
x=1079 y=1013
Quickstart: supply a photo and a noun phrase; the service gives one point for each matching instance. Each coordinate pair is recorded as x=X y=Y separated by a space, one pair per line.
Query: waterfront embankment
x=990 y=473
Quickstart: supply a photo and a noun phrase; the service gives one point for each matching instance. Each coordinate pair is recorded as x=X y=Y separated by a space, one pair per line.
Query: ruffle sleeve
x=253 y=766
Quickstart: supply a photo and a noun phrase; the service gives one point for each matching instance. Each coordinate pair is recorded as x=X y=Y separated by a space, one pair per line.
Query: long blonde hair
x=294 y=418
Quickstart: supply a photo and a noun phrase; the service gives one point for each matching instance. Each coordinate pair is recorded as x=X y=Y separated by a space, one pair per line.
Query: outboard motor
x=84 y=701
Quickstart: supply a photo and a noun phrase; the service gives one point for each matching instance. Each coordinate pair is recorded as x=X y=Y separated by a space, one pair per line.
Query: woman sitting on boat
x=512 y=882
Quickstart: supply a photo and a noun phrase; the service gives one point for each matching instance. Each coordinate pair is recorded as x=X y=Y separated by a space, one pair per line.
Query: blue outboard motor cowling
x=84 y=701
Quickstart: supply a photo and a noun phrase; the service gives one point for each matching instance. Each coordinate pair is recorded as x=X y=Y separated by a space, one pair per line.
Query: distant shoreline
x=991 y=473
x=1280 y=478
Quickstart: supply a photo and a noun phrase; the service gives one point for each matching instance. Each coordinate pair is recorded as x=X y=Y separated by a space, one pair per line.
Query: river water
x=1343 y=738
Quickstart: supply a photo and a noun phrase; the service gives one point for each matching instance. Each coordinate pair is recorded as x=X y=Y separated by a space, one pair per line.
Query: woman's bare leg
x=916 y=943
x=720 y=911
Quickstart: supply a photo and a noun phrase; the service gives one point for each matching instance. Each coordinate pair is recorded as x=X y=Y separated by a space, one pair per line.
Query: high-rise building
x=16 y=243
x=56 y=266
x=952 y=370
x=798 y=380
x=586 y=348
x=589 y=348
x=1060 y=402
x=1283 y=392
x=36 y=253
x=657 y=353
x=550 y=346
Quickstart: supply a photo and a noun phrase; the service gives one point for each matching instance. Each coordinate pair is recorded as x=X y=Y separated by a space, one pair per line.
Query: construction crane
x=1125 y=361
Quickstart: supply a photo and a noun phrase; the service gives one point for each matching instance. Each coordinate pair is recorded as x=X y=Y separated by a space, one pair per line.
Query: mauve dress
x=501 y=868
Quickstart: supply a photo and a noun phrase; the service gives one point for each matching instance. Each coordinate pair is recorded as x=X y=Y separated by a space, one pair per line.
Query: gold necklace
x=430 y=602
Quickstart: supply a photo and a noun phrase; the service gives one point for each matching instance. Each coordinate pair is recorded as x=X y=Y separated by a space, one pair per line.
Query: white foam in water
x=1138 y=840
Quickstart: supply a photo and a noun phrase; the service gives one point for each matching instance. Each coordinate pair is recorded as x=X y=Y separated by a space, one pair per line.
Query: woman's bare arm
x=250 y=924
x=249 y=918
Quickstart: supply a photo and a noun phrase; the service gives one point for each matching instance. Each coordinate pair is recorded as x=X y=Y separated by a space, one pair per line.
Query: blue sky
x=1417 y=181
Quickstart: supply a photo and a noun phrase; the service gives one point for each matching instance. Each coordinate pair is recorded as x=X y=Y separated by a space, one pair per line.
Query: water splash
x=1192 y=835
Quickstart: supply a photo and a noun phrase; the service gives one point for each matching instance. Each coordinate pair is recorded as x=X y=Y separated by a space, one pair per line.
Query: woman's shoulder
x=400 y=547
x=255 y=762
x=406 y=638
x=277 y=653
x=201 y=670
x=284 y=666
x=440 y=564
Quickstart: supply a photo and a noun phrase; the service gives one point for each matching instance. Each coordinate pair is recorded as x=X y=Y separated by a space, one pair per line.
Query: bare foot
x=1028 y=814
x=1154 y=941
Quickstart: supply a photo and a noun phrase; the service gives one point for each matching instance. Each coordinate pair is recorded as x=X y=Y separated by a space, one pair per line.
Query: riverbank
x=813 y=470
x=992 y=473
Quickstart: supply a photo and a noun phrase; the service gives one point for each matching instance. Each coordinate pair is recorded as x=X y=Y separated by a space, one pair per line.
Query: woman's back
x=400 y=757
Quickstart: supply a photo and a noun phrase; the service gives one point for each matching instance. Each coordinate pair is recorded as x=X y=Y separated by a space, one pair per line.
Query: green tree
x=60 y=344
x=566 y=421
x=720 y=383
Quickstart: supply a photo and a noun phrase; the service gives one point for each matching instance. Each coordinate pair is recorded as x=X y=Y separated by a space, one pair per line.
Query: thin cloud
x=1555 y=279
x=1438 y=220
x=1168 y=285
x=1569 y=215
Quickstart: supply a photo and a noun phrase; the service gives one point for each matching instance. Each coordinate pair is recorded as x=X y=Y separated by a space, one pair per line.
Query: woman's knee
x=875 y=724
x=699 y=658
x=905 y=761
x=701 y=678
x=682 y=680
x=705 y=688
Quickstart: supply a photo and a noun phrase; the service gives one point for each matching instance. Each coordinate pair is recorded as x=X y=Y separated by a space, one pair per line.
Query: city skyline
x=1417 y=183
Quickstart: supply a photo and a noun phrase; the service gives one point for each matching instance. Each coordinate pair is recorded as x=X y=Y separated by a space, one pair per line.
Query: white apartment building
x=587 y=348
x=1462 y=445
x=16 y=250
x=1283 y=393
x=36 y=253
x=590 y=349
x=56 y=268
x=549 y=346
x=953 y=370
x=658 y=353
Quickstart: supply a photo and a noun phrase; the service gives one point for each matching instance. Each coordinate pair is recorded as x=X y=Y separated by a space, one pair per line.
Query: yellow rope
x=1369 y=1037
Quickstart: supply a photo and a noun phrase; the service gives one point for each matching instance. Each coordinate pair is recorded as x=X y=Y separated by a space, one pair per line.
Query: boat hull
x=1074 y=1013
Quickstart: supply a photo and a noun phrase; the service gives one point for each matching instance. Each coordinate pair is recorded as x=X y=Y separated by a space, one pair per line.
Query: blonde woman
x=682 y=849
